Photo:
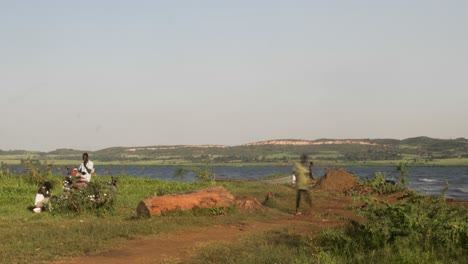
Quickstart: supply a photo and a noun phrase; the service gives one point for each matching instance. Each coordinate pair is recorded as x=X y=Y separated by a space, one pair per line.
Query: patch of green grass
x=280 y=156
x=328 y=155
x=450 y=162
x=276 y=246
x=275 y=176
x=35 y=238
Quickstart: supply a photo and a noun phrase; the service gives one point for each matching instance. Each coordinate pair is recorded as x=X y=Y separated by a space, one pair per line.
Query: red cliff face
x=174 y=147
x=309 y=142
x=267 y=142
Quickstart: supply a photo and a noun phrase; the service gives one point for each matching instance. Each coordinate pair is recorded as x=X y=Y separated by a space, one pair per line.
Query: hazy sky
x=95 y=74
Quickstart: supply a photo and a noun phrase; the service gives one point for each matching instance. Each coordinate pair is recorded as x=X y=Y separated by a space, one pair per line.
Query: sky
x=95 y=74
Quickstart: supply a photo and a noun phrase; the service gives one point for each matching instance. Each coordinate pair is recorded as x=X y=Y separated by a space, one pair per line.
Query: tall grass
x=34 y=238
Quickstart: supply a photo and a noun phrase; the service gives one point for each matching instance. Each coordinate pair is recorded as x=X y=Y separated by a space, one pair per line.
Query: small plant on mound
x=271 y=203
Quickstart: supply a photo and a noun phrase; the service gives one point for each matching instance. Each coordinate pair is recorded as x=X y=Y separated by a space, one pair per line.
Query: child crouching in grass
x=42 y=197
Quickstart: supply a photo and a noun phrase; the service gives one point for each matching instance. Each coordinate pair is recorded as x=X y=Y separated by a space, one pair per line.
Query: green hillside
x=418 y=150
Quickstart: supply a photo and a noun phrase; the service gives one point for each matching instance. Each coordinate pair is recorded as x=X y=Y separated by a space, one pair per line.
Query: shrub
x=202 y=174
x=4 y=170
x=380 y=185
x=427 y=225
x=401 y=167
x=98 y=198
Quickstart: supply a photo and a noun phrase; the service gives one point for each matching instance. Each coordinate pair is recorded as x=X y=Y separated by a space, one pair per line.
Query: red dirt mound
x=249 y=203
x=336 y=180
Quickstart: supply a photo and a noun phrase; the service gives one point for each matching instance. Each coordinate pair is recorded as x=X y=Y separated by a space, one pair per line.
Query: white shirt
x=39 y=198
x=293 y=178
x=84 y=172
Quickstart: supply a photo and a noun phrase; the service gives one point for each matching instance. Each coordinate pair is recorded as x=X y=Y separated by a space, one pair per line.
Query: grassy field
x=433 y=231
x=410 y=162
x=33 y=238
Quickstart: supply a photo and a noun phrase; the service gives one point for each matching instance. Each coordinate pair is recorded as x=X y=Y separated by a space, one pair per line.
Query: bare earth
x=180 y=246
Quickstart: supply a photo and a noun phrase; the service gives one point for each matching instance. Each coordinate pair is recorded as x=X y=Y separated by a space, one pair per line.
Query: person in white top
x=86 y=168
x=293 y=180
x=42 y=197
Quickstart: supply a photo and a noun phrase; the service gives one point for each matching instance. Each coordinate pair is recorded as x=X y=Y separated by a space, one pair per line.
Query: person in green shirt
x=302 y=182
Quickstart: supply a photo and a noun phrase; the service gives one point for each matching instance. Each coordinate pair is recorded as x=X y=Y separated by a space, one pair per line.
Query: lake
x=425 y=180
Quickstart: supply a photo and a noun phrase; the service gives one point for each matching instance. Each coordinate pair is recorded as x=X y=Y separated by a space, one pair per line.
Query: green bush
x=202 y=174
x=98 y=198
x=4 y=170
x=380 y=185
x=426 y=225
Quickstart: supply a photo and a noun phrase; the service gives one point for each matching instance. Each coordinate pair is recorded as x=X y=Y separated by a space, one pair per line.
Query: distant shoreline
x=318 y=163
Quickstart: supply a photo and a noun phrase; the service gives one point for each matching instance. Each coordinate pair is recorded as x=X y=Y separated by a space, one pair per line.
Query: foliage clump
x=415 y=229
x=202 y=173
x=4 y=170
x=37 y=173
x=98 y=198
x=381 y=186
x=426 y=225
x=401 y=167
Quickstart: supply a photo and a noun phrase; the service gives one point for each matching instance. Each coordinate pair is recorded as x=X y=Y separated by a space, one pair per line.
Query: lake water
x=425 y=180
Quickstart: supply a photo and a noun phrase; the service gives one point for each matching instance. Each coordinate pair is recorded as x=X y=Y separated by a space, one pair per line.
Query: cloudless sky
x=94 y=74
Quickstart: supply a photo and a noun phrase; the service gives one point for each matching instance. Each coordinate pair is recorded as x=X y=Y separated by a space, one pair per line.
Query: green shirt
x=302 y=178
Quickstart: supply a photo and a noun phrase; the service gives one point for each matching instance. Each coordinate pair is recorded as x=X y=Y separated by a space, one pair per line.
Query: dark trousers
x=308 y=197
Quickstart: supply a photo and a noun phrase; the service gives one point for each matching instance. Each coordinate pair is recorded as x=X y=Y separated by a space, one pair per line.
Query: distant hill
x=66 y=152
x=295 y=142
x=277 y=150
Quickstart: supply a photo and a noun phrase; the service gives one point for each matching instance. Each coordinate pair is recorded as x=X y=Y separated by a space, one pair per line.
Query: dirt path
x=175 y=246
x=179 y=246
